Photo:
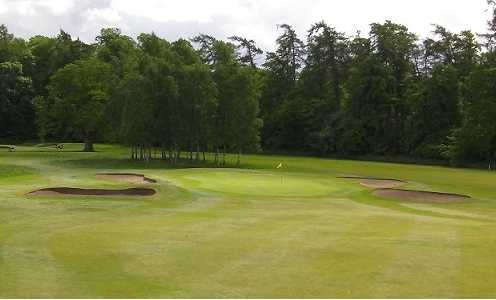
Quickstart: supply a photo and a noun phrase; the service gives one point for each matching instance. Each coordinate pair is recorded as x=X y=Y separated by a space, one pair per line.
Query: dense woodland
x=385 y=93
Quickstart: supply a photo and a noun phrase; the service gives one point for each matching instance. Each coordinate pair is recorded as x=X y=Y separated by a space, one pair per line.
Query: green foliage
x=117 y=50
x=236 y=118
x=384 y=93
x=14 y=49
x=77 y=100
x=198 y=100
x=51 y=54
x=435 y=112
x=249 y=49
x=476 y=138
x=321 y=88
x=364 y=110
x=277 y=105
x=16 y=109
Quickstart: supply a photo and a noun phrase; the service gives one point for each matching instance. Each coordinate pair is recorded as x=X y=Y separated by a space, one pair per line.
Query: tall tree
x=51 y=54
x=278 y=108
x=206 y=48
x=118 y=50
x=236 y=124
x=490 y=35
x=321 y=87
x=435 y=112
x=394 y=47
x=16 y=93
x=14 y=49
x=77 y=101
x=476 y=138
x=197 y=96
x=16 y=109
x=249 y=49
x=460 y=50
x=364 y=113
x=289 y=56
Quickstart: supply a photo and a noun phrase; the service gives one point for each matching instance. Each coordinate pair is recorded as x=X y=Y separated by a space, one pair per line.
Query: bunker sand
x=58 y=191
x=420 y=196
x=126 y=177
x=376 y=183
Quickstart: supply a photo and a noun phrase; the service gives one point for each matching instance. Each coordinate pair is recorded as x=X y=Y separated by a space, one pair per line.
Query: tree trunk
x=239 y=158
x=197 y=158
x=88 y=146
x=216 y=159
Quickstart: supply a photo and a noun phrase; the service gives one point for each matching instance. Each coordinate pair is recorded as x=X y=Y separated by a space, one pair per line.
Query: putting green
x=255 y=183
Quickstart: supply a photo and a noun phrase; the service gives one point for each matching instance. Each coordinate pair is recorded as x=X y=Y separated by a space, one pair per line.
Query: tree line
x=387 y=93
x=162 y=99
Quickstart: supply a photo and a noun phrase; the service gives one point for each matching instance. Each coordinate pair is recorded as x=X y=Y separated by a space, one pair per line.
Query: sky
x=254 y=19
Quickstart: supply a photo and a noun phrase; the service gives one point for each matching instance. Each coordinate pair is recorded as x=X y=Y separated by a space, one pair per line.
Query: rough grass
x=258 y=232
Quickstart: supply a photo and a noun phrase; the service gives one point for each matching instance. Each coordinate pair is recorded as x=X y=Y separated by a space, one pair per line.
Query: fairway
x=255 y=231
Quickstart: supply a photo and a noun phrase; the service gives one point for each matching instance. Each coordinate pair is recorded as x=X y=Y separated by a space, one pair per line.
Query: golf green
x=252 y=232
x=255 y=183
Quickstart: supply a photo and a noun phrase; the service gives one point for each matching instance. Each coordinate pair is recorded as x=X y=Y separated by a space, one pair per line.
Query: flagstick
x=279 y=166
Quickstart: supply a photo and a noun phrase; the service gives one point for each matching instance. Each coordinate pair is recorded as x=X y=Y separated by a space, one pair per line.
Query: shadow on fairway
x=125 y=163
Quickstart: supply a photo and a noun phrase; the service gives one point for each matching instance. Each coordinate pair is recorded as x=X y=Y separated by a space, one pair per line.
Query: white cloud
x=106 y=15
x=255 y=19
x=179 y=11
x=58 y=7
x=30 y=7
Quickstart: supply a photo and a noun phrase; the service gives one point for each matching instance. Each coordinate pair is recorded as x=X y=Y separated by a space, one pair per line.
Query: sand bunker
x=126 y=177
x=381 y=183
x=377 y=183
x=420 y=196
x=57 y=191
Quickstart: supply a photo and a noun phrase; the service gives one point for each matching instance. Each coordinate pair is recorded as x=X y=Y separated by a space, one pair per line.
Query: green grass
x=258 y=231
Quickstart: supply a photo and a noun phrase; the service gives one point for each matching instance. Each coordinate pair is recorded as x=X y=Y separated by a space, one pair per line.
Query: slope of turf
x=258 y=231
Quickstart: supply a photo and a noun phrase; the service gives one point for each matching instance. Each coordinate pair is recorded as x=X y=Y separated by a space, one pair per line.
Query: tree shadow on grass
x=123 y=163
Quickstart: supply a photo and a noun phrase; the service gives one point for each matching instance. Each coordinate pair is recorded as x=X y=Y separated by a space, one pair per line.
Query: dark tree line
x=386 y=93
x=165 y=100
